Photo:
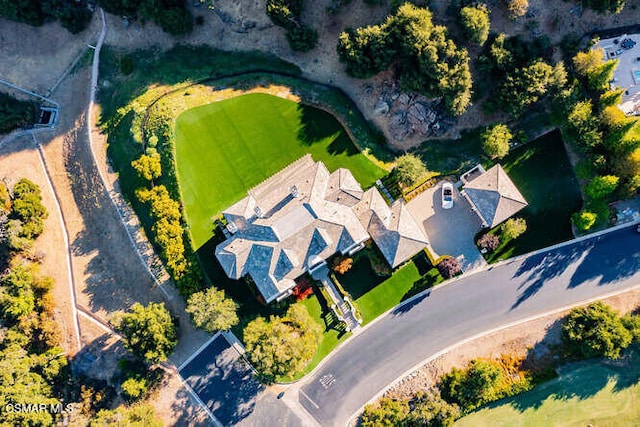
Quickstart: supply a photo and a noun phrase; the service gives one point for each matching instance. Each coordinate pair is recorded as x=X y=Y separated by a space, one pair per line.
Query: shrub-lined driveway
x=449 y=231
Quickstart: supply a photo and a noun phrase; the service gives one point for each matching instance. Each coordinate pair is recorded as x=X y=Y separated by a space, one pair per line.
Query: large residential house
x=292 y=222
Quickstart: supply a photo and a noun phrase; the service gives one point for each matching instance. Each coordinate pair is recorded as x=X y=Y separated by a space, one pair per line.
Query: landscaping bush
x=489 y=242
x=148 y=165
x=386 y=412
x=601 y=186
x=134 y=388
x=513 y=228
x=27 y=208
x=167 y=229
x=595 y=330
x=342 y=265
x=423 y=409
x=483 y=381
x=584 y=220
x=449 y=267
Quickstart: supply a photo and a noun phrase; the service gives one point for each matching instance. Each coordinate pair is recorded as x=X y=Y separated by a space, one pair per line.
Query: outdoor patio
x=449 y=231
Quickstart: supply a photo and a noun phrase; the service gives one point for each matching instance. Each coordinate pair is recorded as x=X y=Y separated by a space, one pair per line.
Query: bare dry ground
x=19 y=159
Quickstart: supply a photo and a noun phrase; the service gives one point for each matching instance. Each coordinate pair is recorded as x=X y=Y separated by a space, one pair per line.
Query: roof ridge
x=287 y=168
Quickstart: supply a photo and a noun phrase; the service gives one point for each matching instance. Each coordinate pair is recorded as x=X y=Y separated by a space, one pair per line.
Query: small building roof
x=494 y=196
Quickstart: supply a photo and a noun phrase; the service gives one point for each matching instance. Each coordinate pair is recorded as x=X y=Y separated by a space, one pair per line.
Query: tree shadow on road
x=592 y=260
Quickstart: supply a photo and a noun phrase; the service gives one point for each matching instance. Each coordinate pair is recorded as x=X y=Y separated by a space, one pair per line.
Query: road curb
x=484 y=334
x=451 y=281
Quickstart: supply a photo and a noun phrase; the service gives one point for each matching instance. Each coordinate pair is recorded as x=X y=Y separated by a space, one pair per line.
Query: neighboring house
x=292 y=222
x=627 y=74
x=491 y=194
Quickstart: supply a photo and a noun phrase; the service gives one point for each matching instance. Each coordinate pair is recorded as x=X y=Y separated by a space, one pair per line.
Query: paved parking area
x=223 y=381
x=450 y=231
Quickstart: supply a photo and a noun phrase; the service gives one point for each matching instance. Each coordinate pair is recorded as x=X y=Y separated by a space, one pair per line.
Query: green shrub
x=601 y=186
x=584 y=220
x=513 y=228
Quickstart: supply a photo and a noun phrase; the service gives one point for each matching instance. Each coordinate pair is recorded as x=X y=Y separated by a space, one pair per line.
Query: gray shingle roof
x=281 y=231
x=495 y=196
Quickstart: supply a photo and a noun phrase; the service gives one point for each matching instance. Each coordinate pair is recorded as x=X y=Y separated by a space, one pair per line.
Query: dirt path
x=19 y=159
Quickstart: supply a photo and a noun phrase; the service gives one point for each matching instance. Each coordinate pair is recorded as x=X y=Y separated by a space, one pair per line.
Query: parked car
x=447 y=195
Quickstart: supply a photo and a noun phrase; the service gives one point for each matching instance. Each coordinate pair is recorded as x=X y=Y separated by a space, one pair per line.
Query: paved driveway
x=449 y=231
x=223 y=381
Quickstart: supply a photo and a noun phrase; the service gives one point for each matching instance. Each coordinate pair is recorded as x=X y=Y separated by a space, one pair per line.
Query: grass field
x=375 y=295
x=591 y=393
x=225 y=148
x=543 y=174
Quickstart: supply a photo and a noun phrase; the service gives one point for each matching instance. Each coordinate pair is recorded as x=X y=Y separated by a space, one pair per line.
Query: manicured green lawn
x=543 y=174
x=225 y=148
x=374 y=295
x=592 y=393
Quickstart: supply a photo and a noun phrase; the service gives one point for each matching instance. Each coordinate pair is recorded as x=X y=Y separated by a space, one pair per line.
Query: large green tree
x=282 y=345
x=149 y=332
x=495 y=141
x=427 y=61
x=409 y=169
x=595 y=330
x=212 y=311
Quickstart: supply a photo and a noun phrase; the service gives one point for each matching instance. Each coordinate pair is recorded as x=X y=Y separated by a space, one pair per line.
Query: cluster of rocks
x=239 y=17
x=410 y=114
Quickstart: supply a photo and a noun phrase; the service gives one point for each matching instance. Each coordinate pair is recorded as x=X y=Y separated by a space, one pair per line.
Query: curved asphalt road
x=489 y=299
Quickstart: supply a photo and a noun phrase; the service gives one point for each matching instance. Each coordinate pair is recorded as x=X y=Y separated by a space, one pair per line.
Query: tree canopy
x=15 y=114
x=73 y=15
x=212 y=311
x=495 y=141
x=170 y=15
x=409 y=169
x=426 y=60
x=286 y=14
x=282 y=345
x=595 y=330
x=149 y=332
x=475 y=22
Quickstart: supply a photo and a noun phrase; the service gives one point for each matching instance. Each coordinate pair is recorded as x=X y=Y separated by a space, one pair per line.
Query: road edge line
x=484 y=334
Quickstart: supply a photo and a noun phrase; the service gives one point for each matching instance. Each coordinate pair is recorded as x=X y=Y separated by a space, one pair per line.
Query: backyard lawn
x=592 y=393
x=543 y=174
x=225 y=148
x=375 y=295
